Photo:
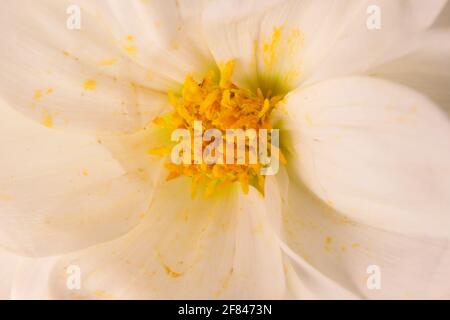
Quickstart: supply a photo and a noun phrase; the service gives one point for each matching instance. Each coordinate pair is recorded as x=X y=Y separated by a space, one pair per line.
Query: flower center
x=220 y=105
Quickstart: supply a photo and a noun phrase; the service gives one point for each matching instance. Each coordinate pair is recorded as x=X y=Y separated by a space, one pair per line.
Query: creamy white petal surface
x=443 y=20
x=368 y=175
x=31 y=278
x=343 y=250
x=67 y=193
x=231 y=30
x=376 y=151
x=426 y=69
x=291 y=42
x=163 y=37
x=185 y=248
x=79 y=78
x=304 y=280
x=8 y=265
x=355 y=48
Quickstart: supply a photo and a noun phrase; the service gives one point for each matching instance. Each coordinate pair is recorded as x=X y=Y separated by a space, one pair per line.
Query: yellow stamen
x=226 y=72
x=218 y=104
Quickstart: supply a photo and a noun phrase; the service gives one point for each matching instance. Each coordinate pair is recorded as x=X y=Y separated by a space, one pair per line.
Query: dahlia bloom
x=363 y=112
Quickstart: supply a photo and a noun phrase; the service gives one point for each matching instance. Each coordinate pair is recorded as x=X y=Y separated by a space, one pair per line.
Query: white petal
x=281 y=44
x=303 y=280
x=62 y=191
x=79 y=77
x=427 y=69
x=216 y=248
x=355 y=48
x=8 y=265
x=231 y=30
x=443 y=20
x=31 y=279
x=376 y=151
x=342 y=251
x=162 y=36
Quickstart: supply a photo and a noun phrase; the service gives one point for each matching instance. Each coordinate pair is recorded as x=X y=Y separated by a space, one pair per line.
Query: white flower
x=367 y=180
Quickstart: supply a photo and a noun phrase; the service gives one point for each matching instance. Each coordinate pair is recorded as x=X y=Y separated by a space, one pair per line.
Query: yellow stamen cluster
x=218 y=104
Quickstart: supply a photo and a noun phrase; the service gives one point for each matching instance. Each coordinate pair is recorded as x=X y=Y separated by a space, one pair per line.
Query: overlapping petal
x=185 y=248
x=376 y=151
x=346 y=253
x=282 y=44
x=81 y=78
x=31 y=279
x=426 y=69
x=62 y=191
x=163 y=37
x=8 y=265
x=374 y=154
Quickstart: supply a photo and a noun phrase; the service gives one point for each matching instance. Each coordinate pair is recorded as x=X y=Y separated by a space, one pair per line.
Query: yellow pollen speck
x=108 y=62
x=171 y=273
x=101 y=294
x=308 y=119
x=5 y=197
x=142 y=215
x=85 y=172
x=47 y=121
x=71 y=56
x=90 y=84
x=295 y=41
x=174 y=45
x=258 y=228
x=37 y=94
x=270 y=47
x=130 y=49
